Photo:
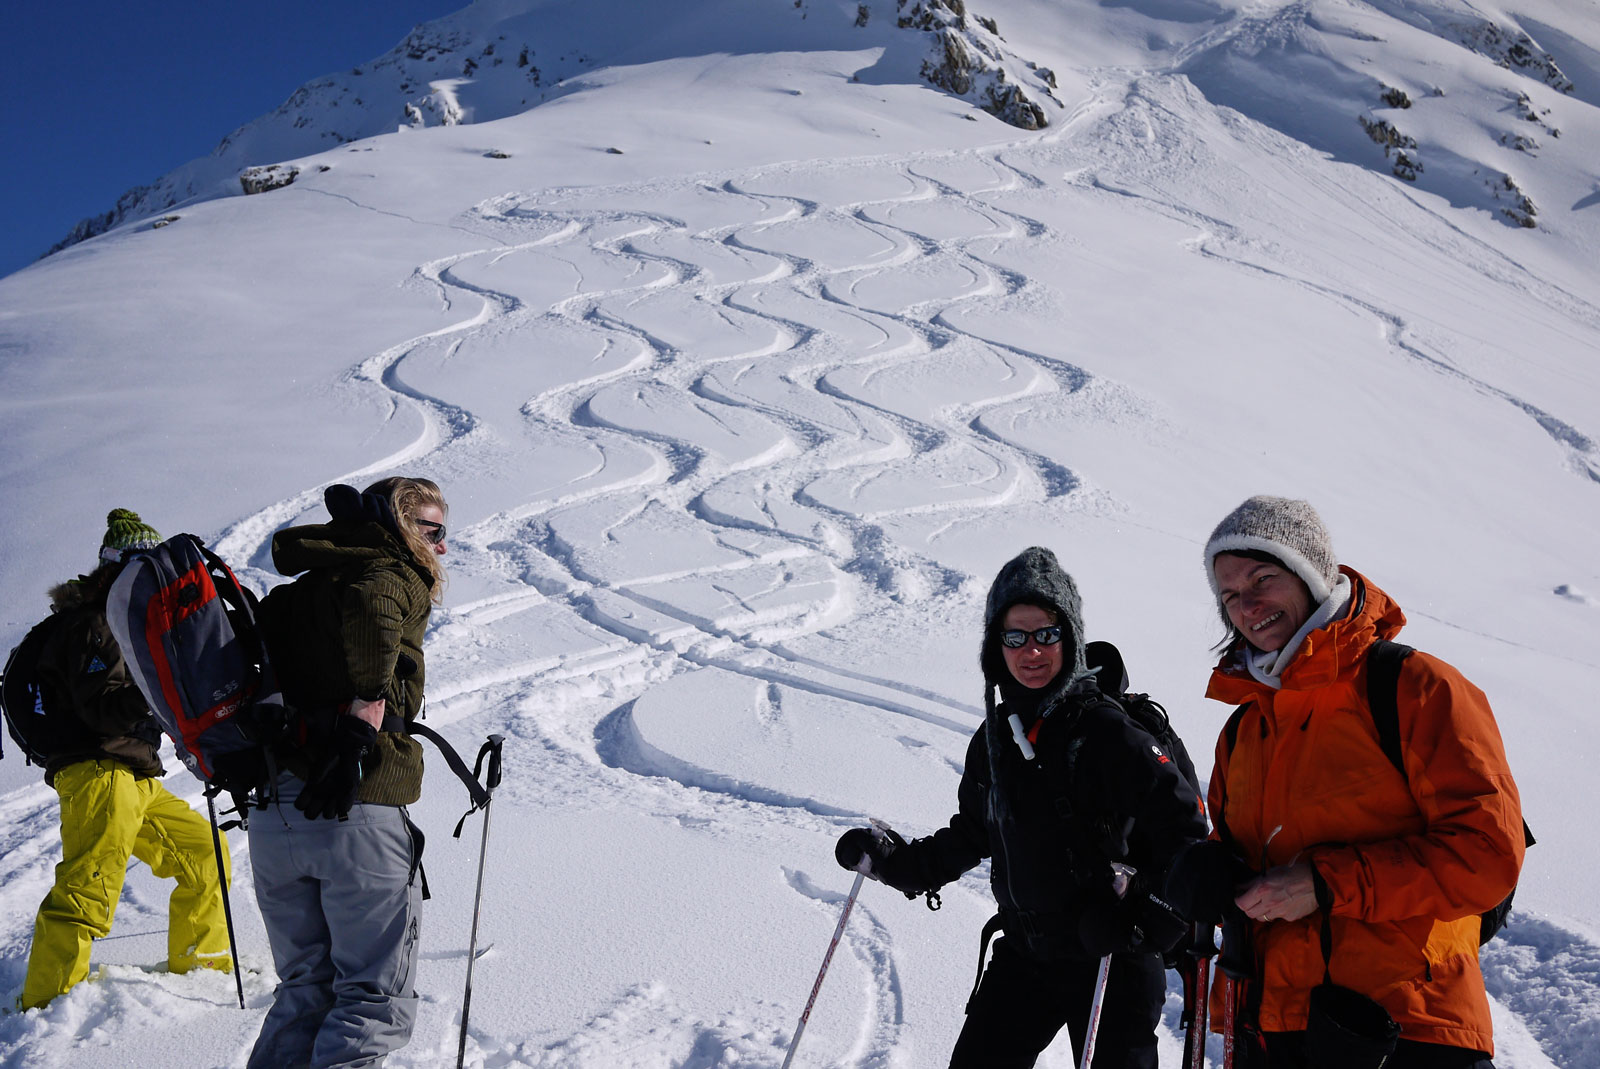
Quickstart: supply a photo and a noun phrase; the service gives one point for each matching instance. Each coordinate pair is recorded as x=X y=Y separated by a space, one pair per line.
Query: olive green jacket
x=350 y=626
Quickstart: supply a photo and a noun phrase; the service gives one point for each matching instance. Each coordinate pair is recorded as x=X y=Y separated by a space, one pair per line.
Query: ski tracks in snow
x=696 y=408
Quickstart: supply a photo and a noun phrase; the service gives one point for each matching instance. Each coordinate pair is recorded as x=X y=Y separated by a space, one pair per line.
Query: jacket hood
x=1034 y=577
x=84 y=590
x=331 y=545
x=1326 y=653
x=362 y=528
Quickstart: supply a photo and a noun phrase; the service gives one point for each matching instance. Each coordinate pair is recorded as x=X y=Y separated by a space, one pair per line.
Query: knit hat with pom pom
x=126 y=533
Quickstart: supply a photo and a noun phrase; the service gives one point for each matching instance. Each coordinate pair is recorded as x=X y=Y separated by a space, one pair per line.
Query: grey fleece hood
x=1034 y=577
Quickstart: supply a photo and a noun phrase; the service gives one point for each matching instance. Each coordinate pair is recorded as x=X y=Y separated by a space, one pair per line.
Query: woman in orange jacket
x=1350 y=873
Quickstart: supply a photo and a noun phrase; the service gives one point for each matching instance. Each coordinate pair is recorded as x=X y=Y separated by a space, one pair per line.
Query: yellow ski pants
x=108 y=814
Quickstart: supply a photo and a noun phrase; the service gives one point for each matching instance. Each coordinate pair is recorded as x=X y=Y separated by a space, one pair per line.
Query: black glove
x=1204 y=880
x=241 y=772
x=1162 y=926
x=1139 y=923
x=331 y=789
x=864 y=850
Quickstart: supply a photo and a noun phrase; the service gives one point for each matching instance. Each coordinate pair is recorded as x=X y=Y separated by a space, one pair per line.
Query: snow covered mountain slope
x=745 y=360
x=495 y=59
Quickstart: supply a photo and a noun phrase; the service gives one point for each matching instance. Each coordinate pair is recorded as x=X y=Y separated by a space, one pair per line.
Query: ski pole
x=1230 y=1020
x=1196 y=995
x=1197 y=984
x=838 y=932
x=491 y=749
x=1194 y=1043
x=227 y=907
x=1094 y=1012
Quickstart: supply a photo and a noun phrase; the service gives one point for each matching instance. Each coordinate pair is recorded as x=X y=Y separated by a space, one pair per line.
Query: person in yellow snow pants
x=107 y=814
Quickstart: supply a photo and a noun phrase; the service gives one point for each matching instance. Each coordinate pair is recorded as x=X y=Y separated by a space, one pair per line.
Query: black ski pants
x=1021 y=1004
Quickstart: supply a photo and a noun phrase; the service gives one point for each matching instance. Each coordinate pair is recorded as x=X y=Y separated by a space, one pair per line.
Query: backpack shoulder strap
x=1230 y=730
x=1230 y=738
x=1384 y=659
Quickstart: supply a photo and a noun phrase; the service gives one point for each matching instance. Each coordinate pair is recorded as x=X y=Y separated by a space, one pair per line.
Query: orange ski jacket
x=1408 y=865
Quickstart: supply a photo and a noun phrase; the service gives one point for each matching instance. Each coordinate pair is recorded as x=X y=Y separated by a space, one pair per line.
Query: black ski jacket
x=1099 y=790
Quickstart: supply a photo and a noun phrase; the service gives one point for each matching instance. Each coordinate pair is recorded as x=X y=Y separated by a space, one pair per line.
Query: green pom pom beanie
x=126 y=533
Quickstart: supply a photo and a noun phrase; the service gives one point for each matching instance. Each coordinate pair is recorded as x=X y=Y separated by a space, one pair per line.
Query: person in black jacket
x=1081 y=813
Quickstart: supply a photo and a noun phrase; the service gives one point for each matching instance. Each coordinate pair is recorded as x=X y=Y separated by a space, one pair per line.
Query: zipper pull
x=1268 y=843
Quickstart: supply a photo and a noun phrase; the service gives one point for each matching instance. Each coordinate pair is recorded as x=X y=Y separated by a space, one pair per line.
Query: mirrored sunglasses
x=433 y=532
x=1016 y=639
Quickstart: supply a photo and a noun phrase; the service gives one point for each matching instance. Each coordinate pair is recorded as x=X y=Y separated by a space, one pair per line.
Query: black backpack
x=1383 y=680
x=40 y=730
x=1111 y=674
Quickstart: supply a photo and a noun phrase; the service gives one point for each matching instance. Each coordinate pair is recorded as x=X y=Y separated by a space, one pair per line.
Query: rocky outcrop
x=136 y=202
x=1402 y=147
x=968 y=58
x=1517 y=207
x=1514 y=49
x=255 y=180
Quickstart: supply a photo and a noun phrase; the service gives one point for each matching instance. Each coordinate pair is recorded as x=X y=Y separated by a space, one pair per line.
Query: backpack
x=188 y=632
x=1383 y=681
x=39 y=730
x=1111 y=674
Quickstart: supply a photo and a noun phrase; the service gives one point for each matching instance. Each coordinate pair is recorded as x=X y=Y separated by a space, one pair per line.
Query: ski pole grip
x=491 y=750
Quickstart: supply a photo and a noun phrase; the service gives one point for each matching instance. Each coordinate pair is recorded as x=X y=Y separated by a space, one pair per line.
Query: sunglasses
x=1016 y=639
x=434 y=532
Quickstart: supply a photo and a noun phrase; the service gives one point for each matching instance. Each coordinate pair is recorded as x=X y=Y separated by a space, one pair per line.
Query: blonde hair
x=406 y=497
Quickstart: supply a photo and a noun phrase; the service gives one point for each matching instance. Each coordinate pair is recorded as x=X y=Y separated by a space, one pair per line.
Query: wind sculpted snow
x=733 y=451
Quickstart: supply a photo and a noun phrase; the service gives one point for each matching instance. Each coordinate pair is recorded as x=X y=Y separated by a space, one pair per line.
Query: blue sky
x=110 y=95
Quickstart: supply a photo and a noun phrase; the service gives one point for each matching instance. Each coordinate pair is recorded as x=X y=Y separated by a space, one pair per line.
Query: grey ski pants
x=342 y=910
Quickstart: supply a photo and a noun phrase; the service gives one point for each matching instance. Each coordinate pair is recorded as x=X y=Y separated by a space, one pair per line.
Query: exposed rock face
x=1403 y=146
x=1519 y=209
x=264 y=179
x=140 y=200
x=1513 y=48
x=969 y=59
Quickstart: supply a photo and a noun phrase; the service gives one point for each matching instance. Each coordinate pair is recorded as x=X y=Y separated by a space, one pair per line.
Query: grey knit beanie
x=1289 y=530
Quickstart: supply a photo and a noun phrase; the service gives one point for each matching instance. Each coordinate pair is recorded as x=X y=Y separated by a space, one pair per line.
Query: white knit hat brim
x=1293 y=559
